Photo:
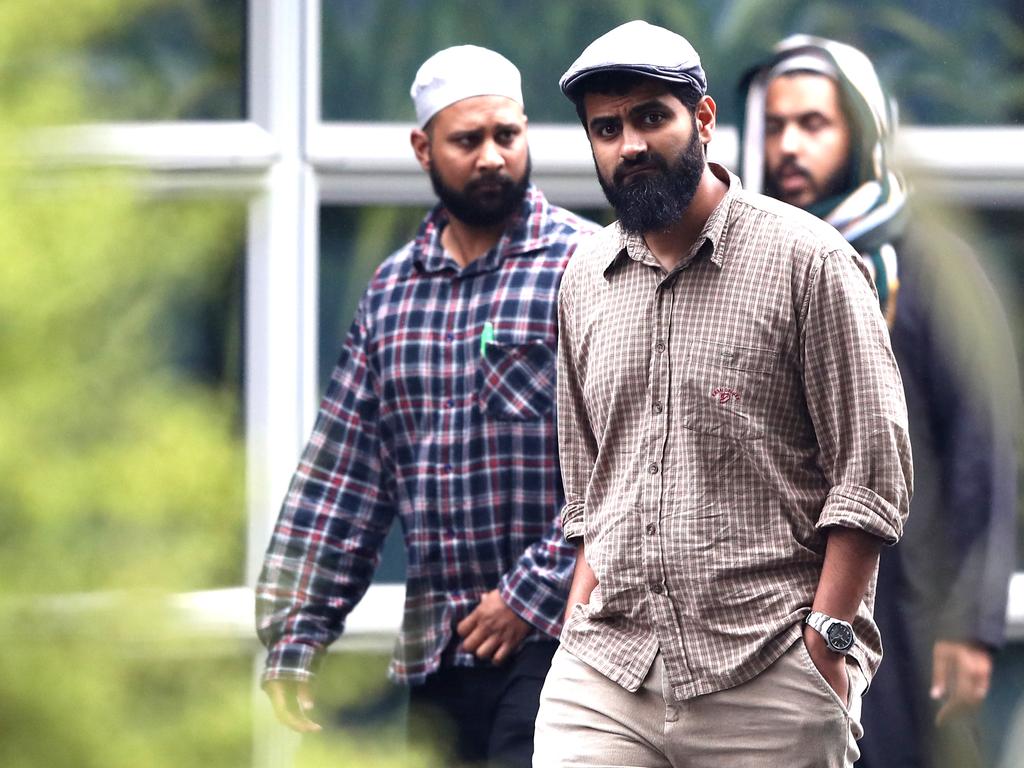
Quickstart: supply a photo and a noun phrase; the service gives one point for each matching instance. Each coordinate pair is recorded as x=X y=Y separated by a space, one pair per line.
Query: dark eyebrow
x=600 y=122
x=470 y=134
x=649 y=105
x=798 y=116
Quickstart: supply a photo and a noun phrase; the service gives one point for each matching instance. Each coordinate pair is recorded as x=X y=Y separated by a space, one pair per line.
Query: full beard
x=484 y=201
x=656 y=200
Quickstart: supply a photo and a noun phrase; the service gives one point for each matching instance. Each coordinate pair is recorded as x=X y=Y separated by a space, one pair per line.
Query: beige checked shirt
x=713 y=422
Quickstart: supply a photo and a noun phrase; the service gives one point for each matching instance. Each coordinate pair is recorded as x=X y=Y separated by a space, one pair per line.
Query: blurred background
x=194 y=194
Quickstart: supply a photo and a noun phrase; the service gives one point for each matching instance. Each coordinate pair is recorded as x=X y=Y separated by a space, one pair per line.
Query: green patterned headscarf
x=871 y=214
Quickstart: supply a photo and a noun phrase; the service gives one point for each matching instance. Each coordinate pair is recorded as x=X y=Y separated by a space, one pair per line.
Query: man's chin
x=800 y=194
x=801 y=198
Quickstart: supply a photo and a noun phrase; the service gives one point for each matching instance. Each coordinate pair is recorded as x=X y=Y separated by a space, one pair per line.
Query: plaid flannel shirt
x=440 y=411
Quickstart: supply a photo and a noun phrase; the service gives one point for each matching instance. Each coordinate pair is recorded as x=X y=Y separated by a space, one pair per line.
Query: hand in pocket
x=831 y=665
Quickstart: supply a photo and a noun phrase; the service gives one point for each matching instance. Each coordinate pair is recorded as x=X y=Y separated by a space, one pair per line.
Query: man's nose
x=633 y=143
x=790 y=139
x=490 y=158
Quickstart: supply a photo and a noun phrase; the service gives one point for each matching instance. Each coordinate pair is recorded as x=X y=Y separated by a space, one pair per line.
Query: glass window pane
x=173 y=61
x=947 y=64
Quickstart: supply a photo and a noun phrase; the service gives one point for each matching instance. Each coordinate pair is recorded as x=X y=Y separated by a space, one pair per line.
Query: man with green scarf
x=816 y=132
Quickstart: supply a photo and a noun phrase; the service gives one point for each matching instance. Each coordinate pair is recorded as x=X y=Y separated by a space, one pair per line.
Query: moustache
x=489 y=181
x=790 y=167
x=646 y=162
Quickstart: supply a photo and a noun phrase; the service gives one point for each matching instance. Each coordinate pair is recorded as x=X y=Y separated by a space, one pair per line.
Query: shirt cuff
x=533 y=615
x=852 y=506
x=292 y=661
x=572 y=520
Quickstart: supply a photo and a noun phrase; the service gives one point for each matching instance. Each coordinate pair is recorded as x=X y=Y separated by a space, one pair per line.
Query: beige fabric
x=712 y=422
x=786 y=716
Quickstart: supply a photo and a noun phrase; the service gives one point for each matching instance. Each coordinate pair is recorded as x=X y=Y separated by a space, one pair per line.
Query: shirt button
x=653 y=469
x=449 y=336
x=658 y=407
x=450 y=403
x=659 y=347
x=447 y=467
x=651 y=529
x=656 y=589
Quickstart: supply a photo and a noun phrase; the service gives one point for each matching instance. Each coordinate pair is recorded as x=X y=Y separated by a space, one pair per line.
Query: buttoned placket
x=659 y=404
x=448 y=483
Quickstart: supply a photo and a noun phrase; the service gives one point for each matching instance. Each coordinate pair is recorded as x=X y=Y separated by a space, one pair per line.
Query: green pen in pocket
x=486 y=337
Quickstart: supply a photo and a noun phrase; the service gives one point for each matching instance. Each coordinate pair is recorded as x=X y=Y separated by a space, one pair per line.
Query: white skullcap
x=641 y=48
x=459 y=73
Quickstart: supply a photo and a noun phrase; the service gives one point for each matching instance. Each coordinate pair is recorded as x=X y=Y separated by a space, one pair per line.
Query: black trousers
x=482 y=716
x=898 y=716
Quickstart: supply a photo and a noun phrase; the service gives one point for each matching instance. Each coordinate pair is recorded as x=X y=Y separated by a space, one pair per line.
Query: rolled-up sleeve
x=855 y=398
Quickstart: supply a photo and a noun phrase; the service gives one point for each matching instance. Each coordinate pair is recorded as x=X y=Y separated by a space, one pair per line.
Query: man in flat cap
x=734 y=449
x=440 y=412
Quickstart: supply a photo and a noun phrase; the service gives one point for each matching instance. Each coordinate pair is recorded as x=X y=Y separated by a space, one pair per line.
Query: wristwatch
x=838 y=634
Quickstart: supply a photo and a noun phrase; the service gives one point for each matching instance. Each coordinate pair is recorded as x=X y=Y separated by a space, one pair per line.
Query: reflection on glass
x=173 y=61
x=947 y=63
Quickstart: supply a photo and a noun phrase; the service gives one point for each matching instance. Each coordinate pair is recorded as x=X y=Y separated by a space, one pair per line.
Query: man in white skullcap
x=734 y=449
x=440 y=413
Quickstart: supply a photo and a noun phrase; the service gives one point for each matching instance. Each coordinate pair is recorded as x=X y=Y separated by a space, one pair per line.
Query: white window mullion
x=282 y=270
x=281 y=311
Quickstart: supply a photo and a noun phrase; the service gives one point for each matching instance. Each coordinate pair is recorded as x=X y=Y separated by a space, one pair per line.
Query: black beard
x=656 y=200
x=479 y=208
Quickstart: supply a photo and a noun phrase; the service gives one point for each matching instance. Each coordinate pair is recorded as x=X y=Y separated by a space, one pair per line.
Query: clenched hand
x=492 y=630
x=961 y=674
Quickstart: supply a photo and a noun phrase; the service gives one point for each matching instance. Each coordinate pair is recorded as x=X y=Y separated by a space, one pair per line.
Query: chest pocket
x=515 y=379
x=725 y=388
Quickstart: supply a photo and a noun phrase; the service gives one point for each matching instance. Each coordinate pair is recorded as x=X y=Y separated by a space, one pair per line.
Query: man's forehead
x=799 y=92
x=647 y=90
x=479 y=112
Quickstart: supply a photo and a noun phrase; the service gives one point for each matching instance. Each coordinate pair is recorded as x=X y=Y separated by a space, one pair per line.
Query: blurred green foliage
x=121 y=464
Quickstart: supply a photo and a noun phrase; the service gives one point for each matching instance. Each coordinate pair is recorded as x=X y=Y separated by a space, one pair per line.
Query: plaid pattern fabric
x=440 y=411
x=712 y=421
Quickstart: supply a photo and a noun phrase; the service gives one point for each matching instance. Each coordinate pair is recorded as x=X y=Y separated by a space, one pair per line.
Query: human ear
x=421 y=147
x=705 y=114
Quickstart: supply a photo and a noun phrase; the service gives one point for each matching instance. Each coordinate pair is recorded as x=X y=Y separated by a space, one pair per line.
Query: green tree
x=121 y=469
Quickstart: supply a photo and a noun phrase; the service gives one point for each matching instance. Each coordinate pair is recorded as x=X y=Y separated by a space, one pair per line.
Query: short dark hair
x=619 y=82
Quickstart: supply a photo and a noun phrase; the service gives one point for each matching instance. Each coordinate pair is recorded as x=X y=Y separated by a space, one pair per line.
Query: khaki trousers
x=786 y=717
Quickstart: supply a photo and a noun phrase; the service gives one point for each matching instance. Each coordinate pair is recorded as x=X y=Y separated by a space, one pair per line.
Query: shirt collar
x=631 y=247
x=524 y=232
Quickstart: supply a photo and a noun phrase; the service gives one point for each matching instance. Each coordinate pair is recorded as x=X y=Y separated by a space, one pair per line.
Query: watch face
x=840 y=637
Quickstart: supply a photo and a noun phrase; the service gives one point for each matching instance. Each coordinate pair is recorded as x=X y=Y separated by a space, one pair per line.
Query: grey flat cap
x=643 y=48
